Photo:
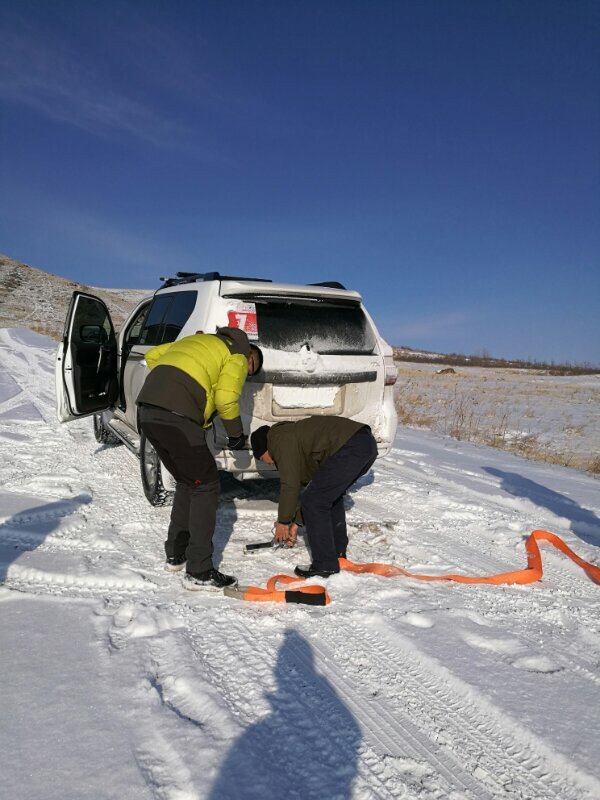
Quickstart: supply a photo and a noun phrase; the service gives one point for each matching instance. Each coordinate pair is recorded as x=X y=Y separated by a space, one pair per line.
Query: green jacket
x=299 y=449
x=200 y=376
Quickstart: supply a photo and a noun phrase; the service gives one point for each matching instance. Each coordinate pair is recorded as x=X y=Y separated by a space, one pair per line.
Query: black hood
x=235 y=339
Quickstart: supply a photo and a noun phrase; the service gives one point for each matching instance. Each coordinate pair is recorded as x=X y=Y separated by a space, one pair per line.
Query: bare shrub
x=462 y=420
x=594 y=466
x=410 y=406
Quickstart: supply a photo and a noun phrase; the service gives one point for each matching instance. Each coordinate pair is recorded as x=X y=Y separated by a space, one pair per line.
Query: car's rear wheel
x=151 y=471
x=103 y=434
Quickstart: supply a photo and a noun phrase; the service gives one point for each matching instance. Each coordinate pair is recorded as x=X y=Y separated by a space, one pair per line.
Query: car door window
x=133 y=332
x=91 y=323
x=177 y=315
x=150 y=334
x=167 y=315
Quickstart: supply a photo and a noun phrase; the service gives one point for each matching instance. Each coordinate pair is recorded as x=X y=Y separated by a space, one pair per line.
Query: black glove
x=237 y=442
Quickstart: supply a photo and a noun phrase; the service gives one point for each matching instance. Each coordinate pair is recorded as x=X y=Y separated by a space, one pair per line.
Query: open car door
x=86 y=360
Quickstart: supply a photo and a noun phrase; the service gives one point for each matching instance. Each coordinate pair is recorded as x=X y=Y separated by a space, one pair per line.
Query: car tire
x=103 y=434
x=151 y=472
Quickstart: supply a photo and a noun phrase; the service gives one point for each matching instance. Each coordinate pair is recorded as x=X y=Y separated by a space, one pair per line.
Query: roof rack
x=193 y=277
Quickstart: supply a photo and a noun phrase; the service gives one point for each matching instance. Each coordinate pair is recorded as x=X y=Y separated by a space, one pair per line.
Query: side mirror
x=93 y=334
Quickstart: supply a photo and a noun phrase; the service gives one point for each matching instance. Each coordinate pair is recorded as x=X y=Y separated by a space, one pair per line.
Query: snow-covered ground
x=119 y=683
x=549 y=417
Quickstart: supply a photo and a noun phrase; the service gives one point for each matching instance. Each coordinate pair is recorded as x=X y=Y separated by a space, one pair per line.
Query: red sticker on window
x=245 y=321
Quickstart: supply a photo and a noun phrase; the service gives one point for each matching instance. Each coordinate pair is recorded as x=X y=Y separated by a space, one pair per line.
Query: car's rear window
x=326 y=327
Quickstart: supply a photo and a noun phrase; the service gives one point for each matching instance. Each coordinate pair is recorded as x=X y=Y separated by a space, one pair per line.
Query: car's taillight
x=391 y=370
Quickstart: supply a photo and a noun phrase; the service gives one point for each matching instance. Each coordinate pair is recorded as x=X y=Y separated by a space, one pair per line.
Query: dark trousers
x=322 y=501
x=181 y=446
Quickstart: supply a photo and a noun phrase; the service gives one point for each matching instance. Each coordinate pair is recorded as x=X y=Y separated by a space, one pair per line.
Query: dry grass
x=45 y=331
x=594 y=466
x=410 y=405
x=483 y=410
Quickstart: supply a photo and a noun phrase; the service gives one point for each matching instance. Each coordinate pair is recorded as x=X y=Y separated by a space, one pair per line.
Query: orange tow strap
x=311 y=595
x=531 y=574
x=317 y=595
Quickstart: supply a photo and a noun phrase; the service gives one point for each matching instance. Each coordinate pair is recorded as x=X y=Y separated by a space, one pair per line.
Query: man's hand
x=285 y=534
x=292 y=535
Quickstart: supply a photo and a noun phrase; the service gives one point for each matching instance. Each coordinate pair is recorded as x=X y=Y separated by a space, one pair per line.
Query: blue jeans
x=322 y=501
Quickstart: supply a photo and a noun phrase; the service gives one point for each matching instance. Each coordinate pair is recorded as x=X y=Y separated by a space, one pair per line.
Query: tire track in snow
x=245 y=678
x=490 y=745
x=395 y=735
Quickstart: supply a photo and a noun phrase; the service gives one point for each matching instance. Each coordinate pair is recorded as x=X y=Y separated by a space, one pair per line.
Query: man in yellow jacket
x=190 y=382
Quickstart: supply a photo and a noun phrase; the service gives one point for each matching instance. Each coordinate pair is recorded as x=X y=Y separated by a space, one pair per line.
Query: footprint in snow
x=537 y=664
x=507 y=647
x=471 y=615
x=514 y=650
x=130 y=621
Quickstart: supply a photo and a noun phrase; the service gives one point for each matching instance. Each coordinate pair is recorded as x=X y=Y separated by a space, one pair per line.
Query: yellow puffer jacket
x=208 y=360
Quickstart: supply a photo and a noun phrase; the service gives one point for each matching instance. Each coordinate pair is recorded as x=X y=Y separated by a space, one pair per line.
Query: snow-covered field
x=118 y=683
x=548 y=417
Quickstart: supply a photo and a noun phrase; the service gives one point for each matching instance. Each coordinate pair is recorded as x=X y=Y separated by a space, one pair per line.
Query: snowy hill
x=38 y=300
x=118 y=683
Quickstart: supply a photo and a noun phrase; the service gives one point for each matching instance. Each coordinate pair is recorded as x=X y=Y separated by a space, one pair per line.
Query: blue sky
x=440 y=156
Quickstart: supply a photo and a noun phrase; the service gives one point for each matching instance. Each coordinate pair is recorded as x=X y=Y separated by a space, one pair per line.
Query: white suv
x=322 y=355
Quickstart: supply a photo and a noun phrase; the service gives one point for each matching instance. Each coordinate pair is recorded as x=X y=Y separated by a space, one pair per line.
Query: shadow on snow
x=306 y=747
x=583 y=522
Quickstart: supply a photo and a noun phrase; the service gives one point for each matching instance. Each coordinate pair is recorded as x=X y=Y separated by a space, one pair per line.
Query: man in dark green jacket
x=190 y=381
x=326 y=454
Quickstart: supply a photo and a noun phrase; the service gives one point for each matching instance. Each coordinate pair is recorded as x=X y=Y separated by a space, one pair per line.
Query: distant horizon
x=478 y=353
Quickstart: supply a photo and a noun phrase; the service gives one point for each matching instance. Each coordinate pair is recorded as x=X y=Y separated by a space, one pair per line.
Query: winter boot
x=211 y=579
x=311 y=572
x=175 y=563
